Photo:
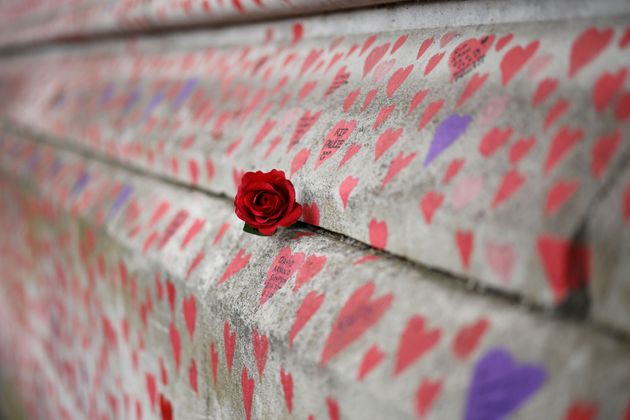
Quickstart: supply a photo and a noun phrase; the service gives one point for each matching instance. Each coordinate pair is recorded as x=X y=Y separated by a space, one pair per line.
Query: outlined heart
x=359 y=313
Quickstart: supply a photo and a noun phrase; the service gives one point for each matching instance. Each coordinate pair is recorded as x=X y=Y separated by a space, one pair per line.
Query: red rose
x=265 y=201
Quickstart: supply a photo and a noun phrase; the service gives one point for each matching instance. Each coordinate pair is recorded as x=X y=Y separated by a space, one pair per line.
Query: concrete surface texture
x=149 y=289
x=464 y=170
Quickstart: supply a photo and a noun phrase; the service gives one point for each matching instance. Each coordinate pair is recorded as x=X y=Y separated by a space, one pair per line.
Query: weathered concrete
x=477 y=170
x=385 y=339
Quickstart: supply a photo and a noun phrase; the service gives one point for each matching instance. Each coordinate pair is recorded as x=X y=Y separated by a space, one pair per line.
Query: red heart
x=311 y=267
x=622 y=111
x=430 y=112
x=468 y=338
x=417 y=100
x=415 y=342
x=383 y=115
x=151 y=388
x=378 y=233
x=176 y=344
x=305 y=312
x=357 y=315
x=512 y=181
x=192 y=375
x=349 y=101
x=424 y=47
x=333 y=409
x=473 y=85
x=520 y=148
x=545 y=88
x=306 y=121
x=564 y=140
x=606 y=87
x=335 y=139
x=261 y=345
x=189 y=307
x=281 y=269
x=603 y=151
x=426 y=394
x=453 y=169
x=433 y=62
x=367 y=44
x=559 y=194
x=247 y=386
x=346 y=188
x=556 y=111
x=467 y=55
x=515 y=59
x=372 y=358
x=399 y=43
x=192 y=232
x=446 y=38
x=500 y=258
x=587 y=46
x=464 y=241
x=581 y=411
x=368 y=99
x=287 y=387
x=374 y=57
x=310 y=213
x=299 y=160
x=214 y=361
x=493 y=140
x=626 y=203
x=352 y=150
x=193 y=170
x=385 y=141
x=397 y=79
x=429 y=203
x=566 y=264
x=229 y=342
x=239 y=262
x=503 y=41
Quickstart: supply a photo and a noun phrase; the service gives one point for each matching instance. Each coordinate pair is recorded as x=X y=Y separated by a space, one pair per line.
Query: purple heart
x=447 y=132
x=500 y=385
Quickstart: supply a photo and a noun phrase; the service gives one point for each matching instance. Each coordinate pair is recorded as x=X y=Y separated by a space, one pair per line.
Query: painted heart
x=151 y=388
x=385 y=141
x=587 y=46
x=430 y=112
x=417 y=100
x=562 y=143
x=415 y=341
x=239 y=262
x=446 y=134
x=429 y=204
x=372 y=358
x=346 y=188
x=374 y=57
x=352 y=150
x=622 y=110
x=468 y=338
x=189 y=307
x=214 y=361
x=493 y=109
x=567 y=265
x=310 y=213
x=369 y=41
x=229 y=342
x=350 y=99
x=452 y=170
x=465 y=191
x=606 y=86
x=306 y=121
x=194 y=229
x=467 y=55
x=359 y=313
x=261 y=346
x=520 y=148
x=383 y=115
x=378 y=233
x=311 y=267
x=493 y=140
x=500 y=259
x=537 y=65
x=368 y=99
x=603 y=151
x=305 y=312
x=335 y=139
x=514 y=60
x=263 y=132
x=559 y=193
x=545 y=88
x=555 y=112
x=381 y=70
x=397 y=79
x=503 y=41
x=580 y=410
x=399 y=43
x=176 y=344
x=286 y=379
x=340 y=79
x=511 y=182
x=427 y=393
x=500 y=386
x=299 y=160
x=424 y=47
x=192 y=375
x=464 y=241
x=433 y=62
x=473 y=85
x=281 y=269
x=247 y=386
